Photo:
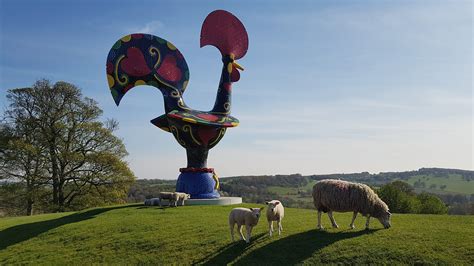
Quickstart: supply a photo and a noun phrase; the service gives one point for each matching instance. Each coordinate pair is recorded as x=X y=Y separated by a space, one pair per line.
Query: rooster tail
x=144 y=59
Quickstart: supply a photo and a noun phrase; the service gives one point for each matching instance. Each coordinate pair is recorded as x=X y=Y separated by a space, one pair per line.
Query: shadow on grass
x=230 y=252
x=151 y=207
x=19 y=233
x=289 y=250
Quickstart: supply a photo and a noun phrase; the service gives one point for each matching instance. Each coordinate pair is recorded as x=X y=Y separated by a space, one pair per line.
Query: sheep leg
x=270 y=227
x=232 y=225
x=239 y=229
x=367 y=223
x=353 y=219
x=333 y=222
x=280 y=227
x=249 y=232
x=320 y=227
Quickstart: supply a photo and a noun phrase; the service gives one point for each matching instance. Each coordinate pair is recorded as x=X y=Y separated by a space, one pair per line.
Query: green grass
x=454 y=184
x=135 y=234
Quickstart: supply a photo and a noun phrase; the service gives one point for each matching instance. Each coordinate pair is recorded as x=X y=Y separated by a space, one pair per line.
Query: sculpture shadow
x=230 y=252
x=152 y=207
x=289 y=250
x=19 y=233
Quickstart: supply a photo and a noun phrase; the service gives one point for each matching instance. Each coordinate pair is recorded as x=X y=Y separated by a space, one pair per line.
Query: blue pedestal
x=199 y=185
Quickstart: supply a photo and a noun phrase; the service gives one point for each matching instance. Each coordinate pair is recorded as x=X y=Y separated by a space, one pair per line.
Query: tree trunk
x=29 y=207
x=29 y=197
x=54 y=173
x=61 y=196
x=55 y=190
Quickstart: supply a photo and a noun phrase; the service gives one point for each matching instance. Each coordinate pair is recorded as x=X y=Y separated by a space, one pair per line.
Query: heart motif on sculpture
x=134 y=64
x=206 y=134
x=110 y=68
x=169 y=70
x=208 y=117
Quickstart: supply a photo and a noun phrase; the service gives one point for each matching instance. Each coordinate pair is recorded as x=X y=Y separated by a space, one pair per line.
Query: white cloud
x=150 y=27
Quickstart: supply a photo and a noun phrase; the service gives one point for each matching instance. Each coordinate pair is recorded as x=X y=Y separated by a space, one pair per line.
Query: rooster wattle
x=144 y=59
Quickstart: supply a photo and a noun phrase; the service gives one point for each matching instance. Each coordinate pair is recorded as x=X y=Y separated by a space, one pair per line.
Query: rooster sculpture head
x=144 y=59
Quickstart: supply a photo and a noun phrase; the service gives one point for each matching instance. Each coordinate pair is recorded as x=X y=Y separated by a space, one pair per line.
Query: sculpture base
x=198 y=183
x=216 y=201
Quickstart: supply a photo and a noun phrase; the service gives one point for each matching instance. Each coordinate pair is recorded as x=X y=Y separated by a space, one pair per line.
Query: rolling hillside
x=455 y=187
x=199 y=234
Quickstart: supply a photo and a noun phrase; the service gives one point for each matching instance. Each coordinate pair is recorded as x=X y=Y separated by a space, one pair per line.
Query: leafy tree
x=403 y=187
x=391 y=196
x=57 y=141
x=21 y=159
x=397 y=200
x=431 y=204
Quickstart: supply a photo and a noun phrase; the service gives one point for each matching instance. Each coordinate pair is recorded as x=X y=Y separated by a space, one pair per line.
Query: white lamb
x=173 y=198
x=170 y=196
x=181 y=197
x=244 y=216
x=275 y=212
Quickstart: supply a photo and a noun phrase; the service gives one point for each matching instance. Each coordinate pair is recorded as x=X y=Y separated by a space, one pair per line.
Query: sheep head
x=272 y=205
x=382 y=214
x=256 y=212
x=385 y=219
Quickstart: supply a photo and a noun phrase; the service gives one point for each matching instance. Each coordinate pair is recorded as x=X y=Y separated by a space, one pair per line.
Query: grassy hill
x=199 y=234
x=454 y=186
x=449 y=184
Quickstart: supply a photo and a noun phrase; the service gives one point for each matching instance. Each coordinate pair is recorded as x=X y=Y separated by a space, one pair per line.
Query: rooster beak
x=236 y=65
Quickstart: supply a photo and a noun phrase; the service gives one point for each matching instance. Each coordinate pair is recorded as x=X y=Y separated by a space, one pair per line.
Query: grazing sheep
x=336 y=195
x=275 y=212
x=173 y=198
x=244 y=216
x=152 y=202
x=170 y=196
x=181 y=197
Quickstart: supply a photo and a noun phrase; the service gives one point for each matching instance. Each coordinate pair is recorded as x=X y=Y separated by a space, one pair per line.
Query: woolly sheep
x=275 y=212
x=173 y=198
x=181 y=197
x=336 y=195
x=244 y=216
x=170 y=196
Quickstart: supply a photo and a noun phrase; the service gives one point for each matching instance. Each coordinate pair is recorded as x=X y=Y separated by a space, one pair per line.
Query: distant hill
x=135 y=234
x=452 y=185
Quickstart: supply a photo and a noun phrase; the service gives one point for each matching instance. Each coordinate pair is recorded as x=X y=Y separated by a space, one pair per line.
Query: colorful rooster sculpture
x=144 y=59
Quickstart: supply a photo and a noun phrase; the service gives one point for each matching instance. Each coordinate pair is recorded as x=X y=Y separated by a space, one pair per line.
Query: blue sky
x=328 y=86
